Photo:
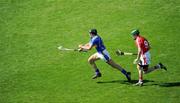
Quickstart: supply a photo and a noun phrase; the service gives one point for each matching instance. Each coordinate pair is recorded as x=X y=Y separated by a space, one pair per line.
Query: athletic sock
x=157 y=66
x=140 y=80
x=124 y=72
x=97 y=71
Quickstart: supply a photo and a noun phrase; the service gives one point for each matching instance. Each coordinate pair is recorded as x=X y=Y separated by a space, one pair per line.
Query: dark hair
x=93 y=31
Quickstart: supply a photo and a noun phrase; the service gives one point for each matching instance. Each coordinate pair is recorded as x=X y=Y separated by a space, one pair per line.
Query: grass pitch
x=32 y=70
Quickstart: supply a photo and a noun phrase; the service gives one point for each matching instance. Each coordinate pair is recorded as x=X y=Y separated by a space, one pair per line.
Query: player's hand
x=136 y=61
x=80 y=49
x=80 y=45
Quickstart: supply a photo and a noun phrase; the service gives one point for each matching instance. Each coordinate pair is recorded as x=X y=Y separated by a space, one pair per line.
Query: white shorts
x=145 y=59
x=104 y=56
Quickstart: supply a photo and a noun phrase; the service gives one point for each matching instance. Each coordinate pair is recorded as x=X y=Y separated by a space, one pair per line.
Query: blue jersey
x=98 y=43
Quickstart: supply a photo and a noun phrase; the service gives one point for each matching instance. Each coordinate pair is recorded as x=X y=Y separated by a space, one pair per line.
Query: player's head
x=135 y=33
x=92 y=32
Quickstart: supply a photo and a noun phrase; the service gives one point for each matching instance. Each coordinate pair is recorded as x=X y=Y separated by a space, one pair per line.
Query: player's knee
x=113 y=65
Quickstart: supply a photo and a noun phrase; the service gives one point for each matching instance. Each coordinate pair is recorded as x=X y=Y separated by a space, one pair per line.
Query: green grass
x=32 y=70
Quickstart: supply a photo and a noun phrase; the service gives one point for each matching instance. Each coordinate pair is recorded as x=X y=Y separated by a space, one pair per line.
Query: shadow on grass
x=170 y=84
x=123 y=82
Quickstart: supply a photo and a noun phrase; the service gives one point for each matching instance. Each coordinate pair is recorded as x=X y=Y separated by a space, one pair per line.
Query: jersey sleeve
x=92 y=42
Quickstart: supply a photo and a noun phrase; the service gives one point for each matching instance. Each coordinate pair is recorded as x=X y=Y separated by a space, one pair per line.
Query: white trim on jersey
x=92 y=40
x=105 y=56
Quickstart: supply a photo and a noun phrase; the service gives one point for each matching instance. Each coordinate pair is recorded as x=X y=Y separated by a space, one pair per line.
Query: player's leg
x=146 y=61
x=140 y=72
x=142 y=66
x=106 y=57
x=91 y=61
x=156 y=67
x=118 y=67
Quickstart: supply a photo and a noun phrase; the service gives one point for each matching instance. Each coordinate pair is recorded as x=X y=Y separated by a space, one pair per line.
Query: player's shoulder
x=139 y=39
x=95 y=38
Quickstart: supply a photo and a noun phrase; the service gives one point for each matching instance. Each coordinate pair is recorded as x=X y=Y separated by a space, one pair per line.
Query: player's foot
x=128 y=76
x=162 y=66
x=139 y=84
x=96 y=76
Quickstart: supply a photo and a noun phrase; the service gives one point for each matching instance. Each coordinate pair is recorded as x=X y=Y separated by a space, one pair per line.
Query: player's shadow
x=170 y=84
x=123 y=81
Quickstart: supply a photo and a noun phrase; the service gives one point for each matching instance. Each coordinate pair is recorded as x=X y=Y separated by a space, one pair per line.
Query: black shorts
x=144 y=67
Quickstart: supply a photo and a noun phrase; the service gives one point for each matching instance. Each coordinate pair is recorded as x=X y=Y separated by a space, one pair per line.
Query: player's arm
x=87 y=44
x=85 y=47
x=139 y=53
x=136 y=61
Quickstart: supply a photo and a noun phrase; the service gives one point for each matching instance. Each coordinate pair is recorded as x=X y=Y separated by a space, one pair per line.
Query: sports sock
x=157 y=66
x=97 y=71
x=124 y=72
x=141 y=79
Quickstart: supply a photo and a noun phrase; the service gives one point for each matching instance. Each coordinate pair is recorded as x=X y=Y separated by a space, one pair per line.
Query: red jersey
x=142 y=43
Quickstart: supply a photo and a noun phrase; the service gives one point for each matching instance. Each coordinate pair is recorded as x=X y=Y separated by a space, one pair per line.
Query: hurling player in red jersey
x=143 y=57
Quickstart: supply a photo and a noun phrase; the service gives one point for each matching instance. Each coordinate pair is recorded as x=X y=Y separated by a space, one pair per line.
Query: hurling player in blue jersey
x=102 y=53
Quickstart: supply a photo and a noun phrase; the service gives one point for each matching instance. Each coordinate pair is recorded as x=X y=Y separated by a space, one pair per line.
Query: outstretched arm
x=85 y=47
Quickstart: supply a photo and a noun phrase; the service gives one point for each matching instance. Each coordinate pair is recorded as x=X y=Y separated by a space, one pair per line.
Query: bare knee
x=112 y=64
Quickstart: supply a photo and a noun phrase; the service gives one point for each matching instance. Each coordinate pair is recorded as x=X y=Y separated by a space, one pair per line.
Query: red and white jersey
x=142 y=43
